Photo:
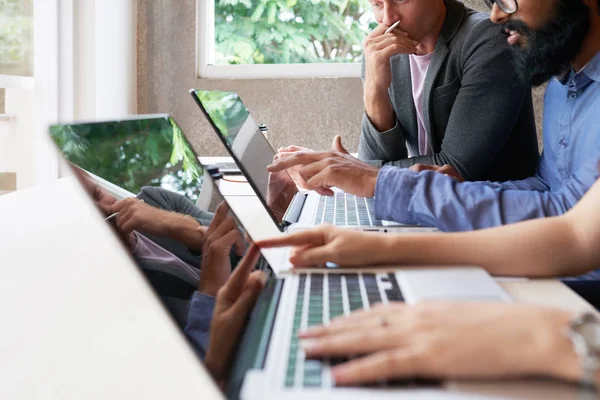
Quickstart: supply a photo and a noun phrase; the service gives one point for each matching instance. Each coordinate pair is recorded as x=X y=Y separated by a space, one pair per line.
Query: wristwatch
x=584 y=333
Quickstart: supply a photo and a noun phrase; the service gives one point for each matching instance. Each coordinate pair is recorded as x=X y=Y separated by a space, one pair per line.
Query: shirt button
x=573 y=95
x=563 y=143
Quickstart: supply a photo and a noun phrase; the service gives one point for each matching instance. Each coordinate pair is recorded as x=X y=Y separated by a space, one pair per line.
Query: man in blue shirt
x=565 y=46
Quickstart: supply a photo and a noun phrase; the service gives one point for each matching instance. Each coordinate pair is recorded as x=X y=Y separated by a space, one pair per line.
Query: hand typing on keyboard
x=324 y=170
x=285 y=152
x=445 y=340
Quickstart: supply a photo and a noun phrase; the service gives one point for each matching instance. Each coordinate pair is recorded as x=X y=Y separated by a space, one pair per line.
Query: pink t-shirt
x=145 y=249
x=418 y=71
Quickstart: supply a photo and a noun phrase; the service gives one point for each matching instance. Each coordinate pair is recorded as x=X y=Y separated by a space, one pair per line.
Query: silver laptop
x=268 y=362
x=286 y=205
x=270 y=359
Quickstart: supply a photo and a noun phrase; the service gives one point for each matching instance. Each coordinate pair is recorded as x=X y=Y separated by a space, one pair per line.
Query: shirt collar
x=591 y=70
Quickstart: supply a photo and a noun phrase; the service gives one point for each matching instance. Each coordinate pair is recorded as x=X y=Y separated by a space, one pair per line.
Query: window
x=281 y=38
x=26 y=103
x=16 y=82
x=16 y=37
x=16 y=42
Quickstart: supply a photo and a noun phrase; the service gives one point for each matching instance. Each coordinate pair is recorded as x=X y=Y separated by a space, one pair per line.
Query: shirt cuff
x=393 y=194
x=375 y=163
x=200 y=316
x=202 y=302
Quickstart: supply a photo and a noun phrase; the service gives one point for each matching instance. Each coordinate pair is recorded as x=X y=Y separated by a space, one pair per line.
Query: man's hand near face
x=378 y=48
x=324 y=170
x=135 y=215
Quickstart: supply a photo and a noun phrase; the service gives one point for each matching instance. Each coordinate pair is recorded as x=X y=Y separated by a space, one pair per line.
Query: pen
x=391 y=28
x=111 y=216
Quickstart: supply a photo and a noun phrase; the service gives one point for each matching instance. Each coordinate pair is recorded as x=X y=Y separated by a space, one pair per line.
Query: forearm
x=539 y=248
x=184 y=229
x=433 y=199
x=532 y=183
x=379 y=108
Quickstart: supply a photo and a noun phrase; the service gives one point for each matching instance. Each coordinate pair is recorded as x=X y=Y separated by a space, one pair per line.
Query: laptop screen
x=250 y=149
x=131 y=154
x=150 y=158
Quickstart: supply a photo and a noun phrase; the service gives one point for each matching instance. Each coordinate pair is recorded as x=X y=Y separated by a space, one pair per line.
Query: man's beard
x=551 y=49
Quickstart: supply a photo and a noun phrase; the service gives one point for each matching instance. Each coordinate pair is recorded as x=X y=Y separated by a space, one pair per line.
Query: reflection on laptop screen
x=131 y=154
x=151 y=159
x=247 y=145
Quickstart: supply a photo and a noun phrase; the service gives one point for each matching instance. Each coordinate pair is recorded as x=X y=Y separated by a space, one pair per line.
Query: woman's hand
x=326 y=243
x=447 y=340
x=234 y=302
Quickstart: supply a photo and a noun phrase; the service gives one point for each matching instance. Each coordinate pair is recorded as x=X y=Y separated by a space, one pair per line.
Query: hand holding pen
x=381 y=44
x=114 y=215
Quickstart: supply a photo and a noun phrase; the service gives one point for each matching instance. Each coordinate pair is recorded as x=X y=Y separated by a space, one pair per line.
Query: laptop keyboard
x=323 y=297
x=345 y=209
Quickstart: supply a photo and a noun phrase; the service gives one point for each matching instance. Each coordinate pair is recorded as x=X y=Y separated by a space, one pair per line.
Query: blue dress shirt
x=568 y=168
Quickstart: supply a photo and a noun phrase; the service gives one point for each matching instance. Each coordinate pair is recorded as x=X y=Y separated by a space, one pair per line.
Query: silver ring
x=383 y=322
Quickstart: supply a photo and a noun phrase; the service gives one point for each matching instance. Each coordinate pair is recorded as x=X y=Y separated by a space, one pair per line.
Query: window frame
x=48 y=51
x=206 y=68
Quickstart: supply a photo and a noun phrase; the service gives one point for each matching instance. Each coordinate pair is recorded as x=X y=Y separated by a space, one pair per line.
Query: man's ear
x=593 y=4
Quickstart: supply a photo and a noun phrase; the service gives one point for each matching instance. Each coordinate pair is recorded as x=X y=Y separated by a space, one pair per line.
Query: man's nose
x=498 y=16
x=390 y=14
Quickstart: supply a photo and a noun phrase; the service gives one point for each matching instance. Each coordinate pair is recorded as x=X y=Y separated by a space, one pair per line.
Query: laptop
x=286 y=205
x=268 y=362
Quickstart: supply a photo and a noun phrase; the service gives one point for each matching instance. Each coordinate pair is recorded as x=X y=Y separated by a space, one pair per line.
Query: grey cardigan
x=479 y=117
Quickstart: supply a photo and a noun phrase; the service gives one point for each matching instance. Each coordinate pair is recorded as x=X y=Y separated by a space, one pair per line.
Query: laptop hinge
x=292 y=215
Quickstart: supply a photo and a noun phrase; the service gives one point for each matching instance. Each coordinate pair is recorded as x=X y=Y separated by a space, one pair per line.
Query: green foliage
x=290 y=31
x=16 y=37
x=226 y=111
x=133 y=153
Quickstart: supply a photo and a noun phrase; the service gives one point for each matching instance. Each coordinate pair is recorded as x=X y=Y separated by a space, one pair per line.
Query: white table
x=77 y=319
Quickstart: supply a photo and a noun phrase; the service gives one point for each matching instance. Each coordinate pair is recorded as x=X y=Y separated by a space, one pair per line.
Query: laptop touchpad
x=458 y=284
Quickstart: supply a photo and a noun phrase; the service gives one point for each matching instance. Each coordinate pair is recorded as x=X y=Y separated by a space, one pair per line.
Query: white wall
x=98 y=60
x=104 y=59
x=115 y=63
